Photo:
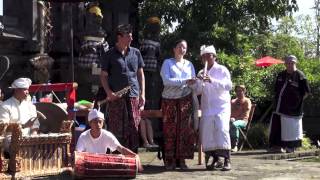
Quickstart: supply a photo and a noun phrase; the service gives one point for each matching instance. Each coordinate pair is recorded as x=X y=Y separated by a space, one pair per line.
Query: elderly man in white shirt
x=18 y=109
x=214 y=87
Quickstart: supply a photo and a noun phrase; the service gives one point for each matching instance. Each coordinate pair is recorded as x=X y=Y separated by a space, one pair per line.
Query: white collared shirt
x=12 y=111
x=215 y=94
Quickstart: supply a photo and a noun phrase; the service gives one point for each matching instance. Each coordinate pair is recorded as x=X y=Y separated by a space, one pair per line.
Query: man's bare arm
x=125 y=151
x=141 y=81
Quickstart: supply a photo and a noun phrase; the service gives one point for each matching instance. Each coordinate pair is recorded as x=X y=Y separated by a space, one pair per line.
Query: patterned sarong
x=179 y=136
x=124 y=119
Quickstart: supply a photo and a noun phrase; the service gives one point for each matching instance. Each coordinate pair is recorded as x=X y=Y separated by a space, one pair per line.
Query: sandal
x=183 y=165
x=146 y=145
x=227 y=165
x=218 y=163
x=169 y=165
x=211 y=166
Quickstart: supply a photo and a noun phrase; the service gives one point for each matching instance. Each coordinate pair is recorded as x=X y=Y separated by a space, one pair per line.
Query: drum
x=104 y=165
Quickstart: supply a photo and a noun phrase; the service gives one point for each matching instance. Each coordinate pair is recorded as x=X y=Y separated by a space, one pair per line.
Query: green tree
x=216 y=22
x=303 y=29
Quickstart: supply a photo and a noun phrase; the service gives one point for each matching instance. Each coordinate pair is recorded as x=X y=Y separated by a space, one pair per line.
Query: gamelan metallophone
x=43 y=154
x=40 y=154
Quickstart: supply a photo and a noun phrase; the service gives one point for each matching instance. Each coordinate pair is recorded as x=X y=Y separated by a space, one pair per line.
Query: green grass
x=315 y=159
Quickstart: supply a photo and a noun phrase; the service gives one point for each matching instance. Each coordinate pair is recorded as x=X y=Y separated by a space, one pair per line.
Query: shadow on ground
x=248 y=153
x=154 y=169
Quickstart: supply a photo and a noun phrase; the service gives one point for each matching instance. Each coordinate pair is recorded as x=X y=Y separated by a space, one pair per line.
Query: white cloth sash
x=214 y=132
x=291 y=128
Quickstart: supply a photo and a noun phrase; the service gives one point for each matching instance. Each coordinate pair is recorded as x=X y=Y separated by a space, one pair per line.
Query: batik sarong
x=179 y=136
x=124 y=119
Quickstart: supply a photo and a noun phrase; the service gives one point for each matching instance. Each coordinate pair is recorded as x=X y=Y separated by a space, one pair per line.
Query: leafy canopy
x=216 y=22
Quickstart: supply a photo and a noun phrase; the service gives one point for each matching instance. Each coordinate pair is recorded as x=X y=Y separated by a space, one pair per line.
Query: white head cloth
x=94 y=113
x=207 y=49
x=23 y=83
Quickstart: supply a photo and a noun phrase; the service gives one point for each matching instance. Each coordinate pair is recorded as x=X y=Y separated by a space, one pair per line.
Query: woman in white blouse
x=177 y=74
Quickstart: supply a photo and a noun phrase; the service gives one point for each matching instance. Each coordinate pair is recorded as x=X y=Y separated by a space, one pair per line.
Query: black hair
x=177 y=42
x=241 y=86
x=124 y=29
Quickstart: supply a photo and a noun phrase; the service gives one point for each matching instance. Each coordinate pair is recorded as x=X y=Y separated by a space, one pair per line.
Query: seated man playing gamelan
x=98 y=140
x=18 y=109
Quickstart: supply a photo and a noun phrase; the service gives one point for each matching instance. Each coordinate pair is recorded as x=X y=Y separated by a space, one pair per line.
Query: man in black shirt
x=291 y=88
x=122 y=66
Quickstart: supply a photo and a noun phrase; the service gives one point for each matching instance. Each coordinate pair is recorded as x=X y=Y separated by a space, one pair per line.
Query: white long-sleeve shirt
x=14 y=111
x=215 y=94
x=174 y=76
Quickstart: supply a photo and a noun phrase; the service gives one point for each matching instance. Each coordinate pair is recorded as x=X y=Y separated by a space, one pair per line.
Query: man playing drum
x=91 y=151
x=98 y=140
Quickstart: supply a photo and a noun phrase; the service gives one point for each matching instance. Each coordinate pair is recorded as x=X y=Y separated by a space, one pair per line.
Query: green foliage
x=304 y=28
x=258 y=80
x=258 y=135
x=240 y=32
x=215 y=22
x=315 y=159
x=306 y=144
x=311 y=69
x=277 y=45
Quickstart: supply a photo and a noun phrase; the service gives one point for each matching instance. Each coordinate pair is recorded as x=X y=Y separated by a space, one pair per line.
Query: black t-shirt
x=291 y=97
x=122 y=69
